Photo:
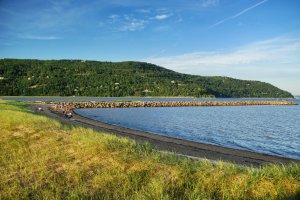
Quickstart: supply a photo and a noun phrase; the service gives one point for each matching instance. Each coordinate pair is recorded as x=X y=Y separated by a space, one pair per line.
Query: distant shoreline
x=165 y=143
x=67 y=106
x=158 y=97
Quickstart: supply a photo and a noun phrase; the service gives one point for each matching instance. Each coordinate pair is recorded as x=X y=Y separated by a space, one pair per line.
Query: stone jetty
x=69 y=106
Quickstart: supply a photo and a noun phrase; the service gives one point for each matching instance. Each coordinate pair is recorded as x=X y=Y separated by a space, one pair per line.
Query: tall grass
x=43 y=159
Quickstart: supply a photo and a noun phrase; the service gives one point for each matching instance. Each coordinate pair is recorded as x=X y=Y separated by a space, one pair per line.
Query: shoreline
x=69 y=106
x=174 y=145
x=149 y=97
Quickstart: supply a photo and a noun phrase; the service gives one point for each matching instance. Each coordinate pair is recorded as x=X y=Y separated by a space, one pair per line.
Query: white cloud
x=238 y=14
x=161 y=17
x=266 y=60
x=162 y=13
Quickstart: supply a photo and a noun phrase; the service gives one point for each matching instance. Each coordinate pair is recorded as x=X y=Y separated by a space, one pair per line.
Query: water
x=273 y=130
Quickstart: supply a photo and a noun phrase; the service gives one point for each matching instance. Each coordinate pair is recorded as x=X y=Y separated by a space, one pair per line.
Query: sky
x=245 y=39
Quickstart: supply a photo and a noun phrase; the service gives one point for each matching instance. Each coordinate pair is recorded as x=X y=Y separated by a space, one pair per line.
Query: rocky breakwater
x=69 y=106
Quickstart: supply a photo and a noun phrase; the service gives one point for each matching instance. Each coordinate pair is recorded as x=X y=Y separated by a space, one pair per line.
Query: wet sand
x=178 y=146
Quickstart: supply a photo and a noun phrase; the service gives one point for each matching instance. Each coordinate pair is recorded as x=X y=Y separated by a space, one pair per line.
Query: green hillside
x=108 y=79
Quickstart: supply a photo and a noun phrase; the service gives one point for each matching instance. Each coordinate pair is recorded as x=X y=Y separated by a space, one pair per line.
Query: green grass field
x=43 y=159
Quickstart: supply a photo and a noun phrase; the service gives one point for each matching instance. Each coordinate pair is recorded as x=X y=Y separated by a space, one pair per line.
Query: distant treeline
x=108 y=79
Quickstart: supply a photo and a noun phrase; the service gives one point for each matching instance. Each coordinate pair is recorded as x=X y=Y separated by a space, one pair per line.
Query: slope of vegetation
x=43 y=159
x=107 y=79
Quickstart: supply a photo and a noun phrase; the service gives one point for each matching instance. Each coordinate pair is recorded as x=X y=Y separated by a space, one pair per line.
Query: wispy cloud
x=276 y=49
x=143 y=10
x=114 y=17
x=265 y=60
x=209 y=3
x=36 y=37
x=52 y=14
x=36 y=20
x=126 y=22
x=133 y=25
x=136 y=20
x=238 y=14
x=162 y=14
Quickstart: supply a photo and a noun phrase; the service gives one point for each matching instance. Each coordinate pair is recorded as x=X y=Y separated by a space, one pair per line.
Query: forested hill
x=107 y=79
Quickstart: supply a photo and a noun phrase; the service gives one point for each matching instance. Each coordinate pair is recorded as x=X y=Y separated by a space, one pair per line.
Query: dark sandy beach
x=177 y=146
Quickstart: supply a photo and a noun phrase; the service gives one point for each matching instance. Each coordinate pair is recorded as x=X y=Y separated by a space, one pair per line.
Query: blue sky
x=246 y=39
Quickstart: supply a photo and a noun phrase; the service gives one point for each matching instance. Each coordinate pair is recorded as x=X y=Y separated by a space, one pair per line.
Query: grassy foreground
x=43 y=159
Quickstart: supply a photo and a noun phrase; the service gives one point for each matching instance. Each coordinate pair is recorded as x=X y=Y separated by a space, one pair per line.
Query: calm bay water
x=273 y=130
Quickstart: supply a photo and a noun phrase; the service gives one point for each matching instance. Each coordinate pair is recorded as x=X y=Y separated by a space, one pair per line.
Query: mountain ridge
x=32 y=77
